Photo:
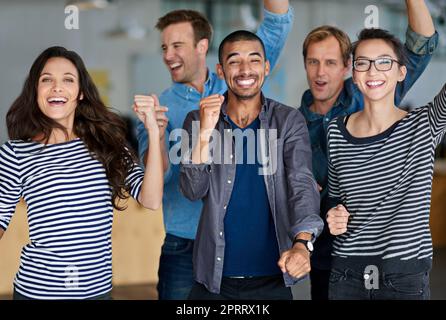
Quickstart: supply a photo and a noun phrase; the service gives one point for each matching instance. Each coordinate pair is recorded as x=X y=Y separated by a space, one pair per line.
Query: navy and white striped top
x=385 y=183
x=70 y=214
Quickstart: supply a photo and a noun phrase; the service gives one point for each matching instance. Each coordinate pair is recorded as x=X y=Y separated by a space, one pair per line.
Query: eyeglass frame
x=372 y=61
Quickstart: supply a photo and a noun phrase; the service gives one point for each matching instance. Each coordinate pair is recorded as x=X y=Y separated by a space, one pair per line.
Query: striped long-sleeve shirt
x=70 y=214
x=385 y=183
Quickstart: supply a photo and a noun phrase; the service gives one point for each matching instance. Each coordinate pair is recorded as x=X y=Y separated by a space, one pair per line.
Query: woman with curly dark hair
x=68 y=158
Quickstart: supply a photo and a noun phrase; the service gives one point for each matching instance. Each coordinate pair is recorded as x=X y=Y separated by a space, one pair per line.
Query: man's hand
x=150 y=113
x=296 y=261
x=337 y=219
x=209 y=114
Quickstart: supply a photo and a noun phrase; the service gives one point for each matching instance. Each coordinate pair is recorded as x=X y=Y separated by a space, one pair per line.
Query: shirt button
x=221 y=234
x=225 y=207
x=231 y=156
x=218 y=259
x=229 y=181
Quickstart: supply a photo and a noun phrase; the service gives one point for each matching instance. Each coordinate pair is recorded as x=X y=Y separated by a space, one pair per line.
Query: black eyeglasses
x=381 y=64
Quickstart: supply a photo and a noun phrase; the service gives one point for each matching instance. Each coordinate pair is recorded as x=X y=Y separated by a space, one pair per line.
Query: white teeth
x=246 y=82
x=374 y=83
x=175 y=65
x=56 y=99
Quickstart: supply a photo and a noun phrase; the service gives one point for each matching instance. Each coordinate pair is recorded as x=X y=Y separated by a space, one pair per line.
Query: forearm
x=164 y=155
x=200 y=153
x=152 y=187
x=276 y=6
x=1 y=232
x=419 y=17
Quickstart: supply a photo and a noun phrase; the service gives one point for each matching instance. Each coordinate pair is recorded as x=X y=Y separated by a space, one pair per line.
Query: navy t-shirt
x=251 y=247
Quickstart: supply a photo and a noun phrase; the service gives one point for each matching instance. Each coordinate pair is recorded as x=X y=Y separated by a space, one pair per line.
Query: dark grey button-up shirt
x=291 y=188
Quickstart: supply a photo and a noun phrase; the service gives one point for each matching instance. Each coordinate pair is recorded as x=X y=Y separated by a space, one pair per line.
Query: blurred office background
x=121 y=48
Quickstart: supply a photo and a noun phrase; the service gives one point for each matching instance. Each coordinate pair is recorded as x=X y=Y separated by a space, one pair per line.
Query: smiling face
x=325 y=69
x=244 y=68
x=180 y=53
x=58 y=91
x=378 y=85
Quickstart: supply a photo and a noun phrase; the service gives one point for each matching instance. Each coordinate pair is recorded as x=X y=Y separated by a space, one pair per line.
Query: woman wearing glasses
x=380 y=177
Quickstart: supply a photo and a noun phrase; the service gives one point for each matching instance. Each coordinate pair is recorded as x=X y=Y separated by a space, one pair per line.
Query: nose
x=244 y=67
x=372 y=69
x=168 y=54
x=321 y=69
x=56 y=86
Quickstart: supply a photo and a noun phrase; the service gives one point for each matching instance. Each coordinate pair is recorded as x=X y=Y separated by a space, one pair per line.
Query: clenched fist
x=295 y=262
x=209 y=114
x=150 y=113
x=337 y=219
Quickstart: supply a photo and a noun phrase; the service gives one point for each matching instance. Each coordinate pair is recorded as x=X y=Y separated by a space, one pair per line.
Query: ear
x=203 y=46
x=402 y=73
x=220 y=72
x=267 y=68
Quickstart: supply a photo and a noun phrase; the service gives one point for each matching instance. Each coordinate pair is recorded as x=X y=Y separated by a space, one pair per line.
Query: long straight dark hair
x=102 y=130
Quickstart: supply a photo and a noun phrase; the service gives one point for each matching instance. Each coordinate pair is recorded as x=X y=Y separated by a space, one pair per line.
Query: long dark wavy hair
x=102 y=130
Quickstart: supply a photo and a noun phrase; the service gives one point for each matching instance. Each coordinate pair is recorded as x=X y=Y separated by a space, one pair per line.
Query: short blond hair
x=323 y=32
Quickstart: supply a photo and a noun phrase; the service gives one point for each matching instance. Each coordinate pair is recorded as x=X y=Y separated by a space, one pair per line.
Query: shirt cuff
x=420 y=44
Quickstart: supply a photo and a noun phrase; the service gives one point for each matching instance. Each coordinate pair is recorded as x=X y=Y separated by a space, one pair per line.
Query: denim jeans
x=319 y=284
x=252 y=288
x=175 y=273
x=397 y=282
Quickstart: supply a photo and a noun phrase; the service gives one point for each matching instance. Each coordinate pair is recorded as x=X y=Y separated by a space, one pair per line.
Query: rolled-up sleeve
x=303 y=194
x=274 y=31
x=420 y=44
x=419 y=50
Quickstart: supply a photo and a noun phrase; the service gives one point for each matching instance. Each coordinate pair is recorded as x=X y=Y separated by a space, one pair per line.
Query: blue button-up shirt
x=180 y=214
x=419 y=50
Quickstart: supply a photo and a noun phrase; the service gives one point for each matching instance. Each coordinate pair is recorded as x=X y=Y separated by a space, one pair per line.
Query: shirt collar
x=263 y=112
x=184 y=89
x=343 y=101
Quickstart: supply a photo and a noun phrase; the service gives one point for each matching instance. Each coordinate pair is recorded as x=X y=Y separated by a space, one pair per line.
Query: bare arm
x=151 y=193
x=164 y=156
x=1 y=232
x=420 y=19
x=276 y=6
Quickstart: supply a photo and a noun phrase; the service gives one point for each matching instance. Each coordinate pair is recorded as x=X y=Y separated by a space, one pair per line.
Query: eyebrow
x=173 y=43
x=381 y=56
x=236 y=54
x=49 y=74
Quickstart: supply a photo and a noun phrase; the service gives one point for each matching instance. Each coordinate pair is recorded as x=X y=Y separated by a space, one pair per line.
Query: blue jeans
x=175 y=273
x=398 y=282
